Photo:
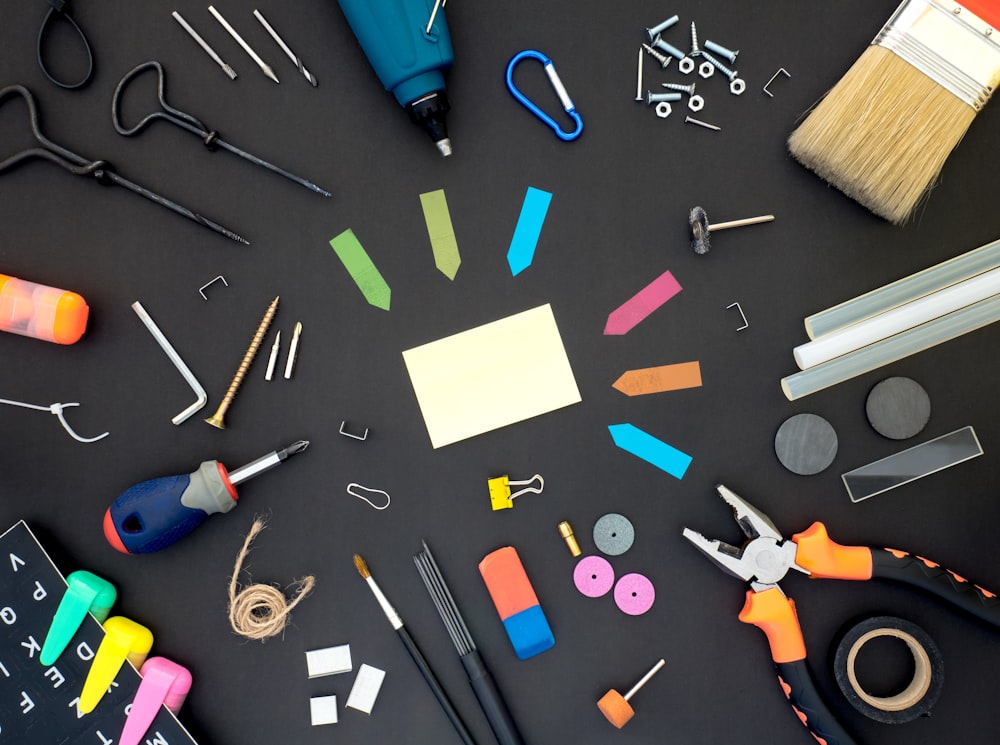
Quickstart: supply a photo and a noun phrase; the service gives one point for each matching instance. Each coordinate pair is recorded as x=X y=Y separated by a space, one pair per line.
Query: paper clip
x=500 y=496
x=557 y=85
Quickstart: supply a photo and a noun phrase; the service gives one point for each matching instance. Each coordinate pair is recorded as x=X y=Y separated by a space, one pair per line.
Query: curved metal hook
x=557 y=85
x=169 y=113
x=56 y=409
x=50 y=151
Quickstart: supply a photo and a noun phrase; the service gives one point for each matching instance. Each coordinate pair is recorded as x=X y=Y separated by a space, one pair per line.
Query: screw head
x=663 y=109
x=686 y=65
x=706 y=70
x=737 y=86
x=696 y=103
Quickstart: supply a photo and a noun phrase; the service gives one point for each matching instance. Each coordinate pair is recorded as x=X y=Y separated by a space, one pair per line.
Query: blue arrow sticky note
x=643 y=445
x=529 y=227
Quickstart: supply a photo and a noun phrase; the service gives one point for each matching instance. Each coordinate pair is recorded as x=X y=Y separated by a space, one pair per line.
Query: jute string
x=261 y=611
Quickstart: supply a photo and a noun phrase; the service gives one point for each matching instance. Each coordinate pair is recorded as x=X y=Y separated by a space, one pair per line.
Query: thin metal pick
x=226 y=68
x=264 y=67
x=284 y=47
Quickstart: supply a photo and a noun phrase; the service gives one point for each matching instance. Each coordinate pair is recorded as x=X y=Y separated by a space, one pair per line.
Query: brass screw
x=216 y=420
x=567 y=533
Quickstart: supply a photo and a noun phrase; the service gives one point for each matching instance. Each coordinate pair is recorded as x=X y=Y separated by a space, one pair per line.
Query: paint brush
x=411 y=647
x=490 y=699
x=884 y=131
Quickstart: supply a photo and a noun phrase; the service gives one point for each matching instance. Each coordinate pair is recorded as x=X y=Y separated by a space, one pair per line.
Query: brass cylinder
x=567 y=533
x=218 y=418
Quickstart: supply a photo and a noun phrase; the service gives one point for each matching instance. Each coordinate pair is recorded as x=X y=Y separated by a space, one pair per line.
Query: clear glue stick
x=41 y=312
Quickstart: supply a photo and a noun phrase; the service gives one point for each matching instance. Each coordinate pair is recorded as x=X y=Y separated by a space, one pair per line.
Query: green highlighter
x=85 y=593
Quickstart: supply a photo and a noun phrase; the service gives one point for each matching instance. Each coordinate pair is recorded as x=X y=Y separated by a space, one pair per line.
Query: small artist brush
x=884 y=132
x=501 y=722
x=411 y=647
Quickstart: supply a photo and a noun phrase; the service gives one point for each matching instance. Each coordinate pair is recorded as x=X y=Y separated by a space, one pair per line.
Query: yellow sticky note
x=491 y=376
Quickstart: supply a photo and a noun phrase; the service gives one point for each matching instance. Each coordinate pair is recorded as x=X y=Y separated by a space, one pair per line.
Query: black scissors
x=101 y=170
x=186 y=122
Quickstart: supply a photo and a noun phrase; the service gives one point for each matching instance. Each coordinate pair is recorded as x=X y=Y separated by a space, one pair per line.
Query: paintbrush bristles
x=882 y=134
x=362 y=566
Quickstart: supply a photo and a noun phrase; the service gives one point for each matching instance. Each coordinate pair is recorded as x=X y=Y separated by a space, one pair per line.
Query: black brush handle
x=483 y=685
x=435 y=686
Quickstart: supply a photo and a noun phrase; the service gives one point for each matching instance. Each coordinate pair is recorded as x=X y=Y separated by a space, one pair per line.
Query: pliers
x=767 y=557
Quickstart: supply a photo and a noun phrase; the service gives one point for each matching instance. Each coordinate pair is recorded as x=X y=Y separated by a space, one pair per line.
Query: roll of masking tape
x=917 y=698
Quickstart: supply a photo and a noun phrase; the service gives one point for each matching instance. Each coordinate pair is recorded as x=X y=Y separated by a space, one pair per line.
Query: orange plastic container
x=42 y=312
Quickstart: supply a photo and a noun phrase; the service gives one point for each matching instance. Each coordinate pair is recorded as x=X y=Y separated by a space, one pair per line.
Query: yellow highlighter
x=123 y=640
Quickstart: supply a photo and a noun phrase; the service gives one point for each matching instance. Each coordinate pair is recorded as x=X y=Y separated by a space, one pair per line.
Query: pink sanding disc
x=593 y=576
x=634 y=594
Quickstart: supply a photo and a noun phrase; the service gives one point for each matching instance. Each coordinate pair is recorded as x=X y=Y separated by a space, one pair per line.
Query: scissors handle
x=169 y=113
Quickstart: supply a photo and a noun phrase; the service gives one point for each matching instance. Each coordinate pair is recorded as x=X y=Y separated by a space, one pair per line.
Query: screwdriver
x=157 y=513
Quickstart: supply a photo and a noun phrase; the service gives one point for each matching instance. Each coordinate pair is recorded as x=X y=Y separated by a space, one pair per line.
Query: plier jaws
x=764 y=559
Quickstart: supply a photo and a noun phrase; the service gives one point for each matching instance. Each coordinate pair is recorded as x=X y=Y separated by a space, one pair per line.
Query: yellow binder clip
x=500 y=496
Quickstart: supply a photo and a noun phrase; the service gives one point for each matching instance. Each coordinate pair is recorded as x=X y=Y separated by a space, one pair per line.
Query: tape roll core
x=919 y=695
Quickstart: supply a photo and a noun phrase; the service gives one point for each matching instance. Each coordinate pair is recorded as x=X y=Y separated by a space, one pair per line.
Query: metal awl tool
x=285 y=48
x=187 y=122
x=264 y=67
x=226 y=68
x=101 y=170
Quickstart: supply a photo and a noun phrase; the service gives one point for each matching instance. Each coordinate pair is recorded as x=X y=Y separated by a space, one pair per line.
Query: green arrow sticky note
x=441 y=232
x=362 y=269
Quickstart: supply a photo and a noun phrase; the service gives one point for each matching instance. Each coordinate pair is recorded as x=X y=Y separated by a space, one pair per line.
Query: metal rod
x=264 y=67
x=204 y=45
x=284 y=47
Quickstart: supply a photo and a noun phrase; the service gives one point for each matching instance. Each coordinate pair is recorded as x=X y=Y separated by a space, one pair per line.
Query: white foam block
x=365 y=689
x=323 y=710
x=329 y=661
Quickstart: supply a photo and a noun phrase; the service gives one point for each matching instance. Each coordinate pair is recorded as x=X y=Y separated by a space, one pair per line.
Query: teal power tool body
x=410 y=53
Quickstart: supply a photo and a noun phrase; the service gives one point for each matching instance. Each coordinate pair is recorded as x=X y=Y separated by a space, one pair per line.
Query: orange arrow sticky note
x=659 y=379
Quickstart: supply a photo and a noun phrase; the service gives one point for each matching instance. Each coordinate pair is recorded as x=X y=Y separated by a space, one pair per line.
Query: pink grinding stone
x=593 y=576
x=634 y=594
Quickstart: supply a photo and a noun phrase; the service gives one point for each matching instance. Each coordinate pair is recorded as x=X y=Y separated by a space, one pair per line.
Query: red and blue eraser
x=516 y=602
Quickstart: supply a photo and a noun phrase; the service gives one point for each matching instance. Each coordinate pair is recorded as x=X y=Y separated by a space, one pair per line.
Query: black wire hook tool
x=101 y=170
x=187 y=122
x=60 y=9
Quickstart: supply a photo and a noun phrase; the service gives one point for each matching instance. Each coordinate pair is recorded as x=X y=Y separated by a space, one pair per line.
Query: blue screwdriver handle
x=156 y=514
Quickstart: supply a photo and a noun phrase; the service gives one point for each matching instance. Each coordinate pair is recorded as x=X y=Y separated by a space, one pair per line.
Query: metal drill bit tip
x=444 y=146
x=229 y=71
x=293 y=449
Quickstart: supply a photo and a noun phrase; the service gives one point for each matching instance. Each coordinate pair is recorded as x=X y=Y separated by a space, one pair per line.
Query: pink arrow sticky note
x=640 y=305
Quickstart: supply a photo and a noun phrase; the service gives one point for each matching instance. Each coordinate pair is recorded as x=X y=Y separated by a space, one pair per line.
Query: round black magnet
x=613 y=534
x=898 y=408
x=805 y=444
x=917 y=698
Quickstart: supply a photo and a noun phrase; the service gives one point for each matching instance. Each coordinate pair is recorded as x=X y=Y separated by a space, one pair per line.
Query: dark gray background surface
x=618 y=219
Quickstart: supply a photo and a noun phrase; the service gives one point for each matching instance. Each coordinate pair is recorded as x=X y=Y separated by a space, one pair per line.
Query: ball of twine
x=261 y=611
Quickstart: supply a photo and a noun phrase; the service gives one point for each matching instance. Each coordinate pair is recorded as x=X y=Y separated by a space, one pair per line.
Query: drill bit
x=284 y=47
x=204 y=45
x=264 y=67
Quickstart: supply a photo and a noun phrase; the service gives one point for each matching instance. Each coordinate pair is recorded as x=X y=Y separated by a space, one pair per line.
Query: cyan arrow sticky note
x=529 y=228
x=643 y=445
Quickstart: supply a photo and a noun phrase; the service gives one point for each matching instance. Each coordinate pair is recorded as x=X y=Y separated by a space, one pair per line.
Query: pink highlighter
x=163 y=683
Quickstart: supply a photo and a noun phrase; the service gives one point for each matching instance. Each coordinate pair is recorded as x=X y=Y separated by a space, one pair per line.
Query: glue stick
x=41 y=312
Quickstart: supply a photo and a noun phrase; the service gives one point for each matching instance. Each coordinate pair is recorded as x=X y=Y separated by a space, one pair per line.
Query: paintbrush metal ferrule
x=949 y=44
x=394 y=618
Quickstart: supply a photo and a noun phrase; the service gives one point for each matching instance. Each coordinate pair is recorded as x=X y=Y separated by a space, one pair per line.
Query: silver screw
x=706 y=125
x=663 y=59
x=689 y=89
x=720 y=50
x=652 y=98
x=671 y=50
x=731 y=74
x=695 y=49
x=652 y=33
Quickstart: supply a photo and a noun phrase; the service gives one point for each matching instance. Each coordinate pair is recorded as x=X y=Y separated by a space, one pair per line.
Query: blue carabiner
x=557 y=85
